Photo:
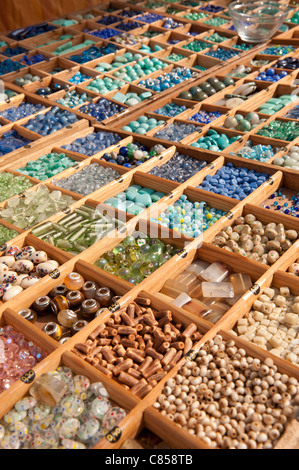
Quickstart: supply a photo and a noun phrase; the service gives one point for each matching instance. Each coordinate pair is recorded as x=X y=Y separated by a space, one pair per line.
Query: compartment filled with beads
x=63 y=392
x=70 y=305
x=264 y=242
x=136 y=257
x=34 y=206
x=149 y=356
x=77 y=231
x=236 y=362
x=23 y=266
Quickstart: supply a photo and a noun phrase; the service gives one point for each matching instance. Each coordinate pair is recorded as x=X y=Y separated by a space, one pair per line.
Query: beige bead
x=291 y=234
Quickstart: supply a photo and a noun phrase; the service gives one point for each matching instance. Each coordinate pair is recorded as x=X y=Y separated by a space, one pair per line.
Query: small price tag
x=114 y=435
x=114 y=307
x=191 y=355
x=255 y=289
x=28 y=377
x=55 y=274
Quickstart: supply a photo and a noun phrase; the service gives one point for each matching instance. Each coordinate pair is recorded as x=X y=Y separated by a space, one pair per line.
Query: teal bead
x=144 y=199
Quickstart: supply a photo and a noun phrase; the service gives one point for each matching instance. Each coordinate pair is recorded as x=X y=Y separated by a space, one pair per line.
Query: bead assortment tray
x=144 y=167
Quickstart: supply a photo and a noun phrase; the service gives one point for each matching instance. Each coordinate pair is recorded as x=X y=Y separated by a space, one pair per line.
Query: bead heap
x=77 y=231
x=93 y=143
x=15 y=113
x=94 y=52
x=214 y=141
x=85 y=414
x=34 y=207
x=87 y=180
x=150 y=356
x=72 y=99
x=176 y=131
x=6 y=234
x=205 y=289
x=259 y=152
x=105 y=85
x=135 y=199
x=253 y=239
x=133 y=154
x=142 y=68
x=47 y=166
x=243 y=123
x=170 y=110
x=179 y=168
x=205 y=89
x=189 y=218
x=52 y=121
x=69 y=306
x=273 y=105
x=282 y=130
x=221 y=422
x=289 y=160
x=11 y=141
x=235 y=182
x=205 y=117
x=166 y=81
x=20 y=355
x=21 y=268
x=270 y=75
x=11 y=185
x=101 y=110
x=272 y=323
x=136 y=257
x=142 y=125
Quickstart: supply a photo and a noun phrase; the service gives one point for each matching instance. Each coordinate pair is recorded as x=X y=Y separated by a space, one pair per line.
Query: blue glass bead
x=11 y=141
x=106 y=33
x=23 y=110
x=32 y=60
x=129 y=25
x=8 y=66
x=108 y=20
x=222 y=54
x=25 y=33
x=94 y=52
x=78 y=78
x=102 y=109
x=236 y=188
x=52 y=121
x=179 y=168
x=149 y=17
x=13 y=51
x=93 y=143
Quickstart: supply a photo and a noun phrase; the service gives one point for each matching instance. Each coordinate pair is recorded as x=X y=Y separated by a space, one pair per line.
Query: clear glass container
x=257 y=21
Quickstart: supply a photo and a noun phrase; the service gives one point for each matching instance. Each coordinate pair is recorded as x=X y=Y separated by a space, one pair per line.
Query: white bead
x=12 y=292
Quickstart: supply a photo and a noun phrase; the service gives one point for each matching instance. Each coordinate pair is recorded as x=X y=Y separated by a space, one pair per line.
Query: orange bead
x=74 y=281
